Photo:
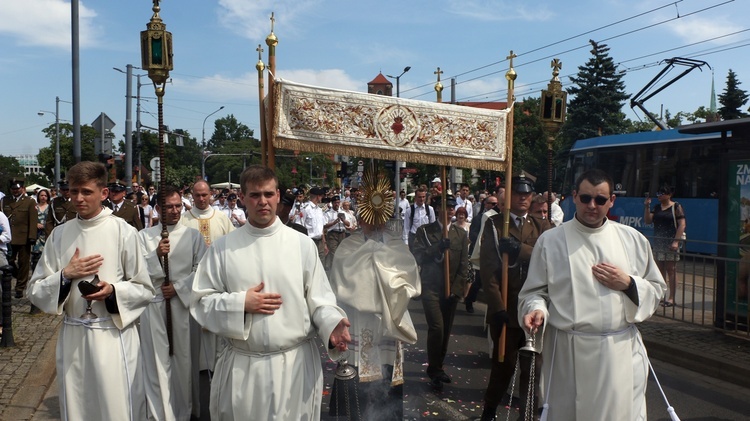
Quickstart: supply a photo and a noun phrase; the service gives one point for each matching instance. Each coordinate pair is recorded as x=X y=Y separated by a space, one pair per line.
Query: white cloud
x=499 y=10
x=251 y=19
x=696 y=28
x=220 y=87
x=329 y=78
x=46 y=23
x=245 y=87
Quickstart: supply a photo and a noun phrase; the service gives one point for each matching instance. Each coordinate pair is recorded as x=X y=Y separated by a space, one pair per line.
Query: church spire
x=712 y=106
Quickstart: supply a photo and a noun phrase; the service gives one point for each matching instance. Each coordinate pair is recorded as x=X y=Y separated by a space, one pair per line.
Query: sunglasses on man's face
x=599 y=200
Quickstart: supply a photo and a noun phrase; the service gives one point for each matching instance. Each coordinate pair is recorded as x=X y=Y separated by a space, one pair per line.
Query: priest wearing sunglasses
x=589 y=282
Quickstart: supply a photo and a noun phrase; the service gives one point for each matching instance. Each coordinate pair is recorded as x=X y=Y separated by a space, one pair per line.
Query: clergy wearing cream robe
x=374 y=277
x=99 y=371
x=169 y=379
x=211 y=224
x=589 y=282
x=262 y=288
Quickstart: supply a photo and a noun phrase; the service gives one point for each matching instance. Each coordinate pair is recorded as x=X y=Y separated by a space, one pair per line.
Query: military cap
x=287 y=199
x=17 y=183
x=117 y=186
x=317 y=191
x=63 y=184
x=522 y=184
x=450 y=201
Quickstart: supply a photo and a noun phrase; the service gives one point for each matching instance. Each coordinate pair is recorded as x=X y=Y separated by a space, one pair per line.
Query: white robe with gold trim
x=271 y=368
x=591 y=347
x=98 y=364
x=374 y=282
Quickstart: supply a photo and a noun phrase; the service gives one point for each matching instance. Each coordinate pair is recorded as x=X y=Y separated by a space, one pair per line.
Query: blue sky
x=344 y=44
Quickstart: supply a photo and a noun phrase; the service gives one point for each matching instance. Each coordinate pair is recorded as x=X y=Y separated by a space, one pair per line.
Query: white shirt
x=237 y=216
x=333 y=215
x=420 y=218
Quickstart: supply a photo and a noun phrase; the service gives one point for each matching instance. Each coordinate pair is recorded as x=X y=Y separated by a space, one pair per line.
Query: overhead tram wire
x=572 y=49
x=501 y=92
x=609 y=25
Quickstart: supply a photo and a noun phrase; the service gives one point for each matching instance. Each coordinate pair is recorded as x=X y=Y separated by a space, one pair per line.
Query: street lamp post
x=397 y=164
x=128 y=119
x=203 y=141
x=57 y=136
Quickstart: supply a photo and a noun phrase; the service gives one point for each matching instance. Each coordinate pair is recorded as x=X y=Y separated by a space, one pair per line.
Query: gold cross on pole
x=272 y=21
x=511 y=57
x=438 y=72
x=260 y=51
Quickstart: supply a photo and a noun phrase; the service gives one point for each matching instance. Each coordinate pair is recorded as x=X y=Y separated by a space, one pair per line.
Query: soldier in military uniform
x=22 y=215
x=122 y=208
x=429 y=251
x=63 y=209
x=523 y=231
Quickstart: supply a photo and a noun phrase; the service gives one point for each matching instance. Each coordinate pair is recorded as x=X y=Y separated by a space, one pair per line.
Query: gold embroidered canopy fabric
x=331 y=121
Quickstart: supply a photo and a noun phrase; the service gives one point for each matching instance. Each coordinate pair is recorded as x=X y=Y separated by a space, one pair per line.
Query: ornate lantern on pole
x=156 y=58
x=553 y=105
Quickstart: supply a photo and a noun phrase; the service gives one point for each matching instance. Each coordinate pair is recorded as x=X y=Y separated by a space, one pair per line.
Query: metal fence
x=711 y=290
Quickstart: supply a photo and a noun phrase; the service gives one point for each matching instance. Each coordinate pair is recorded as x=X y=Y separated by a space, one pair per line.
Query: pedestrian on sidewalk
x=590 y=280
x=98 y=360
x=669 y=222
x=523 y=232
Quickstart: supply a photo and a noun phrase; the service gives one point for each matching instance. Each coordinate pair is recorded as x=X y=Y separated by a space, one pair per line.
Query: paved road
x=695 y=397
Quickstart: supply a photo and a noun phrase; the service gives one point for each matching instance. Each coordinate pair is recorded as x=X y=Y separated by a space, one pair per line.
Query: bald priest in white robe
x=589 y=281
x=263 y=289
x=99 y=369
x=169 y=379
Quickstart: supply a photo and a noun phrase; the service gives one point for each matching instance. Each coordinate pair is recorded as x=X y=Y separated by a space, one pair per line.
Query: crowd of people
x=146 y=313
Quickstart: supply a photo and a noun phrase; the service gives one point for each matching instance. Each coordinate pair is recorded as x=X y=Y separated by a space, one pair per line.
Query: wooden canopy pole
x=511 y=76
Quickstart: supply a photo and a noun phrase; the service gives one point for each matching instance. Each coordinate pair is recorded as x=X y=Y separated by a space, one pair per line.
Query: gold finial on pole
x=438 y=85
x=260 y=66
x=272 y=42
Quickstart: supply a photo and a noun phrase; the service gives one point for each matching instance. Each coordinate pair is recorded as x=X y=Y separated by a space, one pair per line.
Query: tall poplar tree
x=598 y=95
x=732 y=99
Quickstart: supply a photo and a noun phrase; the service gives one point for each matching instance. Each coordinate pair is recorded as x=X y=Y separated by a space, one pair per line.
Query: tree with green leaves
x=232 y=148
x=732 y=99
x=46 y=156
x=598 y=95
x=10 y=168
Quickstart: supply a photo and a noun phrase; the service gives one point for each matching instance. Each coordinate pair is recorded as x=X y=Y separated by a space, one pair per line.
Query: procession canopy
x=332 y=121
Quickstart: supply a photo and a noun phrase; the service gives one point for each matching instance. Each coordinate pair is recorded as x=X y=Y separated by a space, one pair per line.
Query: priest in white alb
x=589 y=282
x=262 y=288
x=169 y=379
x=374 y=277
x=99 y=370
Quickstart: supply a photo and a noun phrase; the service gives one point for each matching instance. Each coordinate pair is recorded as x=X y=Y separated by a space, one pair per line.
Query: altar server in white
x=168 y=378
x=99 y=369
x=589 y=282
x=263 y=289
